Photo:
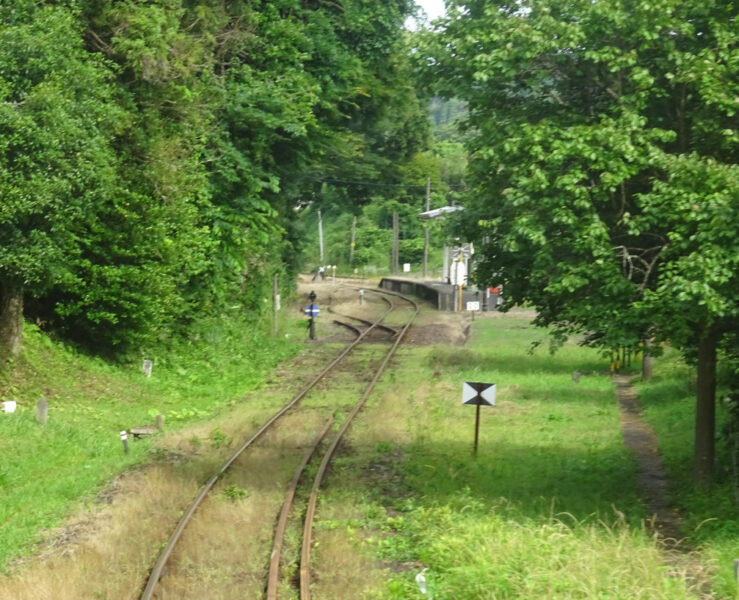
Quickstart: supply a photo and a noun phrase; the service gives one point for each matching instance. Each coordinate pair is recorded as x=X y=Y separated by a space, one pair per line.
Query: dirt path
x=640 y=439
x=665 y=522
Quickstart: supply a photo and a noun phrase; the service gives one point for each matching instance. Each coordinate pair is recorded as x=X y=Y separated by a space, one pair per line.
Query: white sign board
x=475 y=393
x=473 y=306
x=459 y=273
x=406 y=267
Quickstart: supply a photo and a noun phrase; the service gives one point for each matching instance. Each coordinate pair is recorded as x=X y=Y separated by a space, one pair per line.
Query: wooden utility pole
x=275 y=303
x=320 y=237
x=351 y=246
x=396 y=243
x=426 y=232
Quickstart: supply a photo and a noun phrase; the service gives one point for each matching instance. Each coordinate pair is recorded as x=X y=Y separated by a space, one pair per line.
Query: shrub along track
x=158 y=573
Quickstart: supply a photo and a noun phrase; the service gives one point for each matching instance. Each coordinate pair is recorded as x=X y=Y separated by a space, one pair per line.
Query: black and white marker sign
x=476 y=393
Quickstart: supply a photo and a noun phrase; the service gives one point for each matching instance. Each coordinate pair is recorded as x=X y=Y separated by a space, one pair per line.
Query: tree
x=603 y=167
x=56 y=161
x=163 y=191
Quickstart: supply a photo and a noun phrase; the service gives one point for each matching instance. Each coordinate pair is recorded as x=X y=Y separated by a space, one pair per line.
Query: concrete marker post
x=42 y=411
x=124 y=439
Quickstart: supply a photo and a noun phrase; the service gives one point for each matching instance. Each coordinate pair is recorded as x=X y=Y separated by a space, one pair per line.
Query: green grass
x=549 y=442
x=549 y=507
x=711 y=515
x=48 y=471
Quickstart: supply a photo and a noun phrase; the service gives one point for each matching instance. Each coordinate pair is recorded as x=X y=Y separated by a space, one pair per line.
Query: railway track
x=271 y=581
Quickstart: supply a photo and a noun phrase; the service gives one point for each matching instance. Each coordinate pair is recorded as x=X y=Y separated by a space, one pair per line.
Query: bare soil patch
x=431 y=326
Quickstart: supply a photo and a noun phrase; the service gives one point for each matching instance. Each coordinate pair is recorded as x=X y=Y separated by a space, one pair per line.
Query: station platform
x=441 y=295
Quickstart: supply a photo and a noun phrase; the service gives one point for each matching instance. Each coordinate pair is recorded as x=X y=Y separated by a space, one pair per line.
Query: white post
x=446 y=275
x=426 y=231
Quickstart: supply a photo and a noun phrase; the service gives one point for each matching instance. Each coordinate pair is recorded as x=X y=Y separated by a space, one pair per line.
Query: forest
x=154 y=155
x=161 y=162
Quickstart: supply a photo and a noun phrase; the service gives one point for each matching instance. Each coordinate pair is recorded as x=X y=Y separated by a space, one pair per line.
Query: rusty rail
x=274 y=565
x=157 y=570
x=305 y=576
x=349 y=326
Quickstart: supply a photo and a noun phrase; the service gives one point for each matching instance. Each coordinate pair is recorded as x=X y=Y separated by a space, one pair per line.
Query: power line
x=376 y=184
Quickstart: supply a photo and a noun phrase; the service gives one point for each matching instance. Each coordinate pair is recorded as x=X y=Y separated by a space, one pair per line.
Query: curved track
x=157 y=570
x=305 y=572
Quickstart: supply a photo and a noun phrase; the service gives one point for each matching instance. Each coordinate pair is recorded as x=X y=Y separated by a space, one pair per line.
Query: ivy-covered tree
x=603 y=167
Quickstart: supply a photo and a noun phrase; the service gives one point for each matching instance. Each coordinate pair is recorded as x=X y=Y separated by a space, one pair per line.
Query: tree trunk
x=11 y=321
x=705 y=414
x=646 y=362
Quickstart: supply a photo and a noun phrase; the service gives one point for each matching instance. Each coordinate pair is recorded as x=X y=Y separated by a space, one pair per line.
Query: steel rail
x=305 y=578
x=156 y=572
x=274 y=564
x=390 y=330
x=348 y=326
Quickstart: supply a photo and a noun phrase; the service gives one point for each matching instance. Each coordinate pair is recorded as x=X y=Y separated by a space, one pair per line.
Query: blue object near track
x=312 y=310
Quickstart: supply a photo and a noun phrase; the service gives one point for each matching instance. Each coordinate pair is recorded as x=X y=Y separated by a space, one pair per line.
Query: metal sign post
x=479 y=394
x=312 y=311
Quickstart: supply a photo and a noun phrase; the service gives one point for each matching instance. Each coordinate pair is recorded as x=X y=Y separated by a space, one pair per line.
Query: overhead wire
x=336 y=181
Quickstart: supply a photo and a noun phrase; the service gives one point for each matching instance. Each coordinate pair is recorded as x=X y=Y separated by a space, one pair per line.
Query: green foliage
x=373 y=234
x=234 y=493
x=152 y=154
x=219 y=439
x=603 y=164
x=447 y=117
x=57 y=124
x=598 y=172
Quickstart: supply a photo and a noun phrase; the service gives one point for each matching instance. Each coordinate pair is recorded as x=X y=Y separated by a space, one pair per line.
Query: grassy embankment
x=49 y=471
x=548 y=509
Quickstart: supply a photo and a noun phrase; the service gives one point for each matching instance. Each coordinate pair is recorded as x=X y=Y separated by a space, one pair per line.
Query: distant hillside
x=445 y=116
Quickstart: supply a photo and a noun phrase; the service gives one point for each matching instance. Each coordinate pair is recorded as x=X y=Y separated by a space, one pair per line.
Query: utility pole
x=396 y=243
x=275 y=304
x=351 y=246
x=426 y=232
x=320 y=237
